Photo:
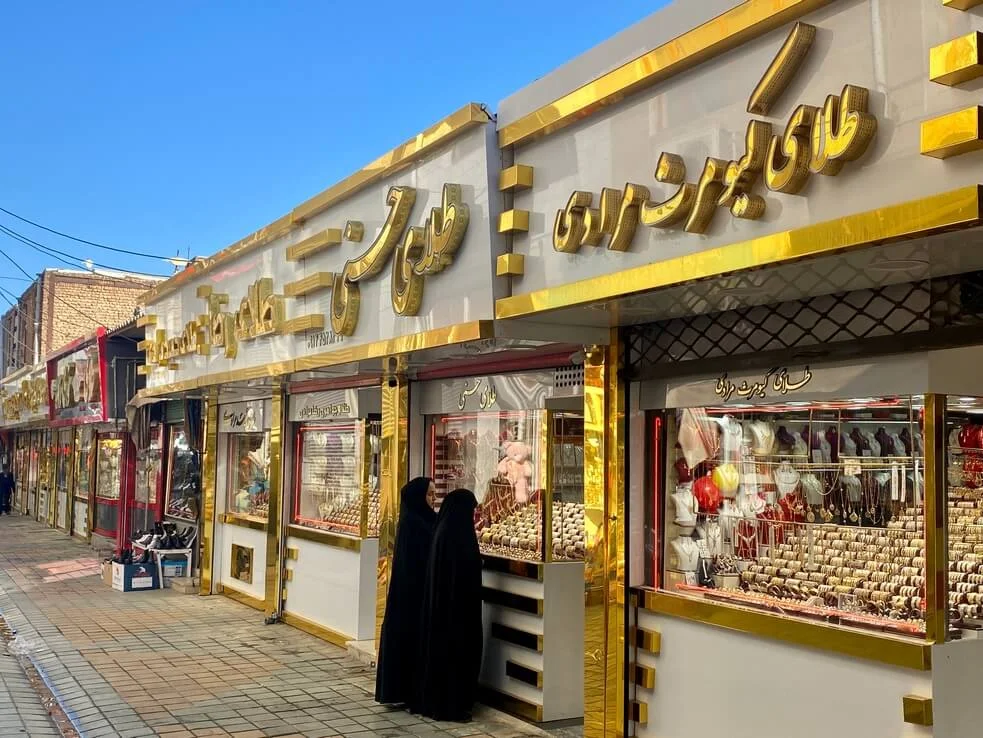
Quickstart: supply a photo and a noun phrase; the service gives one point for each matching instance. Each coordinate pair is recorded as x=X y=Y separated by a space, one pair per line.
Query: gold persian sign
x=419 y=252
x=816 y=140
x=31 y=398
x=776 y=381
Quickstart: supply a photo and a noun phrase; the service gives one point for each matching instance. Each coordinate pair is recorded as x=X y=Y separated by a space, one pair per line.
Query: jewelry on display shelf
x=687 y=553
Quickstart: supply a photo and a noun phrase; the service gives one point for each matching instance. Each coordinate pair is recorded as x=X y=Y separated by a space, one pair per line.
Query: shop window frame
x=232 y=516
x=905 y=652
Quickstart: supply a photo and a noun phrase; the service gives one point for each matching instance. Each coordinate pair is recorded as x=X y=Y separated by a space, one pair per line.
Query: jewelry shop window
x=184 y=477
x=811 y=510
x=249 y=475
x=148 y=469
x=84 y=458
x=500 y=457
x=336 y=477
x=109 y=476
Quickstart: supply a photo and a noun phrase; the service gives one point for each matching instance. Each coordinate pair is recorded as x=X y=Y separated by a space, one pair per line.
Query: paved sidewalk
x=181 y=666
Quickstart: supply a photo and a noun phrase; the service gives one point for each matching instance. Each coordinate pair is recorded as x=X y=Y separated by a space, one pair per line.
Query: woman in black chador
x=452 y=637
x=397 y=675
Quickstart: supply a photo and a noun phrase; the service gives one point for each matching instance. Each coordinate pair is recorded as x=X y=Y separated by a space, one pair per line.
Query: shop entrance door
x=43 y=511
x=82 y=483
x=109 y=478
x=34 y=461
x=64 y=455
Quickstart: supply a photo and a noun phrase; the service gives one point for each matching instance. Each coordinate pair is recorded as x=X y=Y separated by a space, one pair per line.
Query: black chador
x=397 y=674
x=452 y=637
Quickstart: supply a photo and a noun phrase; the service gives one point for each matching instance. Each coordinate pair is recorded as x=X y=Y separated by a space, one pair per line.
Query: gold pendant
x=854 y=517
x=811 y=516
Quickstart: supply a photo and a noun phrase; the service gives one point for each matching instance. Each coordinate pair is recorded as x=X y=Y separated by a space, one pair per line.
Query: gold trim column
x=936 y=538
x=604 y=566
x=393 y=457
x=208 y=469
x=274 y=521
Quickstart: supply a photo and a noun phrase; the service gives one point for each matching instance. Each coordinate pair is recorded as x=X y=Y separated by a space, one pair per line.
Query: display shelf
x=337 y=477
x=803 y=512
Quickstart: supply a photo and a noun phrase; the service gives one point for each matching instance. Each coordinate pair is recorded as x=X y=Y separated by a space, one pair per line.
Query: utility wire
x=55 y=253
x=79 y=240
x=53 y=294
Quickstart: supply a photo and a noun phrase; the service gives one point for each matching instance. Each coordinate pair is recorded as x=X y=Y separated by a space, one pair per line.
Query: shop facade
x=350 y=345
x=773 y=208
x=89 y=382
x=25 y=414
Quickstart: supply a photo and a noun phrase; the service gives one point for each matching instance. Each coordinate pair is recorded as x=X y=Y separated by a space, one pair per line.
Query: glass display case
x=526 y=470
x=184 y=477
x=22 y=462
x=144 y=511
x=964 y=495
x=336 y=479
x=84 y=458
x=248 y=475
x=108 y=481
x=805 y=509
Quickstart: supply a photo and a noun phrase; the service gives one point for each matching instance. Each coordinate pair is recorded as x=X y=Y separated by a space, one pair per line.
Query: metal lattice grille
x=907 y=309
x=572 y=376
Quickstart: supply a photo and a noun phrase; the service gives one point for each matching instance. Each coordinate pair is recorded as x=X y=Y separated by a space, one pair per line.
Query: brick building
x=65 y=305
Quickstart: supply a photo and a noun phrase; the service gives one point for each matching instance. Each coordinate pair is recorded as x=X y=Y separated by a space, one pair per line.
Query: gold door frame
x=604 y=564
x=393 y=470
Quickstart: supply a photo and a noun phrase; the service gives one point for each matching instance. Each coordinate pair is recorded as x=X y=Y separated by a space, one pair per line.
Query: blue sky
x=161 y=127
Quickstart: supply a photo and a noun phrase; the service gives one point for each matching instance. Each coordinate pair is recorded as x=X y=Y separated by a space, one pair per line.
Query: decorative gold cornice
x=399 y=158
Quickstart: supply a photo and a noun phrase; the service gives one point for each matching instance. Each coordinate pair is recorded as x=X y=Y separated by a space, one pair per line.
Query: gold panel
x=144 y=369
x=917 y=710
x=961 y=4
x=308 y=626
x=747 y=21
x=952 y=134
x=515 y=178
x=241 y=563
x=393 y=470
x=312 y=322
x=511 y=704
x=642 y=676
x=244 y=522
x=335 y=540
x=354 y=231
x=521 y=638
x=956 y=61
x=524 y=674
x=647 y=640
x=314 y=244
x=399 y=158
x=144 y=344
x=639 y=712
x=435 y=338
x=240 y=597
x=954 y=209
x=463 y=332
x=288 y=575
x=510 y=265
x=208 y=468
x=144 y=320
x=936 y=506
x=908 y=654
x=395 y=160
x=293 y=553
x=514 y=567
x=604 y=614
x=275 y=515
x=307 y=285
x=513 y=221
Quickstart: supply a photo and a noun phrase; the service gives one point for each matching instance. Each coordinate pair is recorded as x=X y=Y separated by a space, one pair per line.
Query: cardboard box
x=174 y=568
x=134 y=577
x=107 y=573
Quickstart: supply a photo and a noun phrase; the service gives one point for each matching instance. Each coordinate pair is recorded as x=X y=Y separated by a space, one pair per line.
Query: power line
x=55 y=253
x=53 y=294
x=77 y=239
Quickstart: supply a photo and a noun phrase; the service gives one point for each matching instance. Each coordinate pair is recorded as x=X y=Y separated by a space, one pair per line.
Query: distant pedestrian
x=397 y=673
x=7 y=487
x=452 y=635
